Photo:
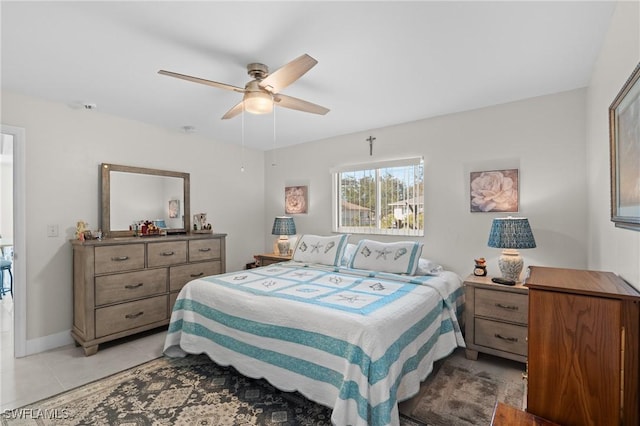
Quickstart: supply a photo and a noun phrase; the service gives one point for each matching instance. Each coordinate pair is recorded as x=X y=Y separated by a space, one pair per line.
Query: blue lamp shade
x=283 y=225
x=511 y=233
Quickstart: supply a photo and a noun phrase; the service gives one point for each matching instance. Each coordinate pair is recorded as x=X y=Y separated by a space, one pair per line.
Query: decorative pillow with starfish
x=321 y=250
x=399 y=258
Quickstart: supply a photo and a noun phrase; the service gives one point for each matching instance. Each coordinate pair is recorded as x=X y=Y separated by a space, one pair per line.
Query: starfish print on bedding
x=269 y=283
x=240 y=277
x=383 y=253
x=315 y=248
x=350 y=299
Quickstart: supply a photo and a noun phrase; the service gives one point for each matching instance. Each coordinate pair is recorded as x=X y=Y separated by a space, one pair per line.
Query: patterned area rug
x=463 y=393
x=175 y=391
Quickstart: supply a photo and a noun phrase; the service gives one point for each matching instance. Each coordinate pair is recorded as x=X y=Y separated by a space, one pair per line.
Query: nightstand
x=268 y=259
x=496 y=318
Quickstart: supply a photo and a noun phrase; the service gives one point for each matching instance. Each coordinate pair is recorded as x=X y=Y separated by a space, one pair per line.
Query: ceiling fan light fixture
x=258 y=102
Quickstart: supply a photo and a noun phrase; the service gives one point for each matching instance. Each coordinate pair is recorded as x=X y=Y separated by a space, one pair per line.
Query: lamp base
x=511 y=264
x=283 y=245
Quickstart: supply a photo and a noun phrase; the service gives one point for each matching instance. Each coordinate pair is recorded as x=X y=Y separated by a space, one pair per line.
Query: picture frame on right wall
x=624 y=140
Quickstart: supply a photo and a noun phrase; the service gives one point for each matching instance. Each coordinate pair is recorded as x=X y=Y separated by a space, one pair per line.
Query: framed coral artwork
x=296 y=199
x=494 y=191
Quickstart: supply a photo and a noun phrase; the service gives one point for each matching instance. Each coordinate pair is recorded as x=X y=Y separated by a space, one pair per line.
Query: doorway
x=12 y=225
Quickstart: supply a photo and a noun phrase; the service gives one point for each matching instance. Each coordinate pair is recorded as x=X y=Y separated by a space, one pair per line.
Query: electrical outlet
x=52 y=230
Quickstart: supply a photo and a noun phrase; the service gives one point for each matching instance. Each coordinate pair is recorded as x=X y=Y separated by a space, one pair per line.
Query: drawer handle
x=197 y=275
x=205 y=249
x=168 y=253
x=132 y=316
x=120 y=258
x=132 y=286
x=510 y=307
x=508 y=339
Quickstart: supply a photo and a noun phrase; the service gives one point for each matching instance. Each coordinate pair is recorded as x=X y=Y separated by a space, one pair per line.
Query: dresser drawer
x=166 y=254
x=117 y=318
x=180 y=275
x=204 y=250
x=502 y=336
x=130 y=285
x=119 y=258
x=502 y=305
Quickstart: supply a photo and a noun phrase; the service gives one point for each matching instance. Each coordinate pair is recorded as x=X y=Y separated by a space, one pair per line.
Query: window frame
x=336 y=199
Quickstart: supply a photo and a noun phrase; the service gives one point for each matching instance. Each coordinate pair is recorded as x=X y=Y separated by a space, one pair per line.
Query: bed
x=354 y=339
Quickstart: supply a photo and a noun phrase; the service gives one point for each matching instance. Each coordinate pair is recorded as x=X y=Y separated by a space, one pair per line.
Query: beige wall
x=544 y=137
x=610 y=248
x=64 y=148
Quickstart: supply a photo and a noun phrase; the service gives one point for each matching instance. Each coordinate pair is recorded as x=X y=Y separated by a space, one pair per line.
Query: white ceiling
x=379 y=63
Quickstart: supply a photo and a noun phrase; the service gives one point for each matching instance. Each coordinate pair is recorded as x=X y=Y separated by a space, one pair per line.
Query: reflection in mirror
x=136 y=197
x=134 y=194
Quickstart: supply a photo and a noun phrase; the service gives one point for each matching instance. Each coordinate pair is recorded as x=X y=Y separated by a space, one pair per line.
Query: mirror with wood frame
x=131 y=195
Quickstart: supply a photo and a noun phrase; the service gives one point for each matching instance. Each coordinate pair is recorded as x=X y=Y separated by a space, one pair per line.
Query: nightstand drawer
x=502 y=336
x=502 y=305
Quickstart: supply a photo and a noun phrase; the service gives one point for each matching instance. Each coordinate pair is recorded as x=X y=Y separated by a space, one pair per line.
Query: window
x=380 y=198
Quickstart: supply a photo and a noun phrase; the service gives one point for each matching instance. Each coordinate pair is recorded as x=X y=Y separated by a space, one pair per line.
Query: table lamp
x=511 y=233
x=283 y=226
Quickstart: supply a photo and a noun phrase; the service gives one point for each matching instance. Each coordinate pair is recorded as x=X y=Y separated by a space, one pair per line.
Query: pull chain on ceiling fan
x=261 y=93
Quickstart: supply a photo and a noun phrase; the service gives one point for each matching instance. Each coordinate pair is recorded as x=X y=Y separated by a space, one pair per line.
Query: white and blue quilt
x=354 y=340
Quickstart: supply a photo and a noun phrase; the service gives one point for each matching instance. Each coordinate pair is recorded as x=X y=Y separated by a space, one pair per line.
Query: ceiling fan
x=261 y=93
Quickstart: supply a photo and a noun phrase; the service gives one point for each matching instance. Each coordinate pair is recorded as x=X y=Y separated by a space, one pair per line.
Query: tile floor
x=32 y=378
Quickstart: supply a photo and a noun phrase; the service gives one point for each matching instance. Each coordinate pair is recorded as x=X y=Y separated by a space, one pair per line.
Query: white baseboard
x=46 y=343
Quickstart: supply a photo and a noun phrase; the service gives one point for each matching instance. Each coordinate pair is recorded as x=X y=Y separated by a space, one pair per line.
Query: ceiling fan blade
x=298 y=104
x=287 y=74
x=202 y=81
x=237 y=109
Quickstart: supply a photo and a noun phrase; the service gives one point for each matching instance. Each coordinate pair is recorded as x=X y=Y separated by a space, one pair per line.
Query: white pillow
x=348 y=254
x=428 y=267
x=399 y=257
x=323 y=250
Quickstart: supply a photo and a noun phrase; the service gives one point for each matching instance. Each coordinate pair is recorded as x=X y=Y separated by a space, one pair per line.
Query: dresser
x=583 y=347
x=495 y=319
x=123 y=286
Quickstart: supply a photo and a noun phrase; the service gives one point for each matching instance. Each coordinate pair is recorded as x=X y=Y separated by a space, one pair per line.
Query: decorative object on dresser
x=584 y=347
x=624 y=147
x=283 y=226
x=127 y=285
x=268 y=259
x=495 y=319
x=511 y=233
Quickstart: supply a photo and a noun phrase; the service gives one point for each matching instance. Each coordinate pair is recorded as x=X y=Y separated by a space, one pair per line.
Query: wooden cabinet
x=583 y=347
x=123 y=286
x=268 y=259
x=495 y=319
